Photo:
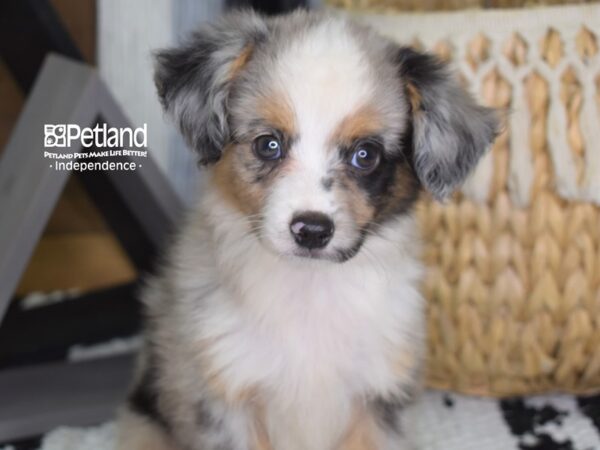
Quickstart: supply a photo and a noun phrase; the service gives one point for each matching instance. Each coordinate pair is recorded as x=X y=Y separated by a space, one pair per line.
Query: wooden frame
x=140 y=202
x=70 y=92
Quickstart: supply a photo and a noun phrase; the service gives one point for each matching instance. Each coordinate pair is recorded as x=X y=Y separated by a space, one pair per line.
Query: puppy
x=288 y=313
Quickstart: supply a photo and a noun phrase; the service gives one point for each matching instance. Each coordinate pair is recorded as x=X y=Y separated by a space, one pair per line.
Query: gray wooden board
x=36 y=399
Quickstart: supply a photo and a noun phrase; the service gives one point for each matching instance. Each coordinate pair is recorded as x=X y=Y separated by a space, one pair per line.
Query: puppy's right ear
x=194 y=80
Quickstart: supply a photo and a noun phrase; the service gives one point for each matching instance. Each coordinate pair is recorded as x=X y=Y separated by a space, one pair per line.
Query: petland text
x=100 y=136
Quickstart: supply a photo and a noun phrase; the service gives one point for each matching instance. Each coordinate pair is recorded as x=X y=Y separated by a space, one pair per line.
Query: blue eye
x=267 y=147
x=366 y=157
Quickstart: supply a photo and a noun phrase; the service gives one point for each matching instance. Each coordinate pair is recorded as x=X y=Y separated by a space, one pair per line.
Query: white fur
x=313 y=335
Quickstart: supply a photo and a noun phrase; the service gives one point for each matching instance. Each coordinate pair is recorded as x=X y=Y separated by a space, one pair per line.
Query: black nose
x=312 y=229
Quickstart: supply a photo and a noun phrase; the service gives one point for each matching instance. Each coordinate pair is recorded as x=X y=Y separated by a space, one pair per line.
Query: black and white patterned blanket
x=448 y=422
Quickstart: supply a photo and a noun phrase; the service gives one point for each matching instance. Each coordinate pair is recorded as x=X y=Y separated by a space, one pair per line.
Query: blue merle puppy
x=288 y=314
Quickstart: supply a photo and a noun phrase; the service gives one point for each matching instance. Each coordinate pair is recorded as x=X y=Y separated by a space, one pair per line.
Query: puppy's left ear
x=450 y=132
x=194 y=80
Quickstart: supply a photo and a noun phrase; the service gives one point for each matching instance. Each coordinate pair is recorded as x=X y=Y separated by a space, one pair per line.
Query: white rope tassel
x=590 y=129
x=560 y=152
x=521 y=173
x=478 y=185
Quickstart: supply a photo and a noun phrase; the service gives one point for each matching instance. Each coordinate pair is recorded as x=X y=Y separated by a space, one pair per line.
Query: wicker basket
x=514 y=279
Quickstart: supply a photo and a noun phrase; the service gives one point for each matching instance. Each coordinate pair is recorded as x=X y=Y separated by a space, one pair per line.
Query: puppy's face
x=317 y=130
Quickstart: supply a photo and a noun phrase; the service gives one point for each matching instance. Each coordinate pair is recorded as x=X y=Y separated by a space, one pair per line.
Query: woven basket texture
x=513 y=282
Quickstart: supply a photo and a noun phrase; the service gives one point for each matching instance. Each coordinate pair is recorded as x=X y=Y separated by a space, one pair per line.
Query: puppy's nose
x=312 y=229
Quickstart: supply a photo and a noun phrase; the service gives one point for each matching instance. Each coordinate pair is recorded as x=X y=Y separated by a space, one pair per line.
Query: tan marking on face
x=240 y=62
x=414 y=96
x=360 y=434
x=356 y=200
x=405 y=187
x=233 y=180
x=361 y=123
x=276 y=110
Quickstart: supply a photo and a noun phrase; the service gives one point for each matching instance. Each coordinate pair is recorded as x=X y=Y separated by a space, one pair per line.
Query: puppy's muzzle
x=312 y=230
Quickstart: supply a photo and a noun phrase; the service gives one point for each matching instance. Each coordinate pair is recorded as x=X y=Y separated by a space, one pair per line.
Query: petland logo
x=112 y=149
x=100 y=136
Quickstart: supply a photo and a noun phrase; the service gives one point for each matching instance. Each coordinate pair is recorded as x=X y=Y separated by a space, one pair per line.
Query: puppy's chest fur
x=310 y=371
x=302 y=346
x=314 y=333
x=311 y=362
